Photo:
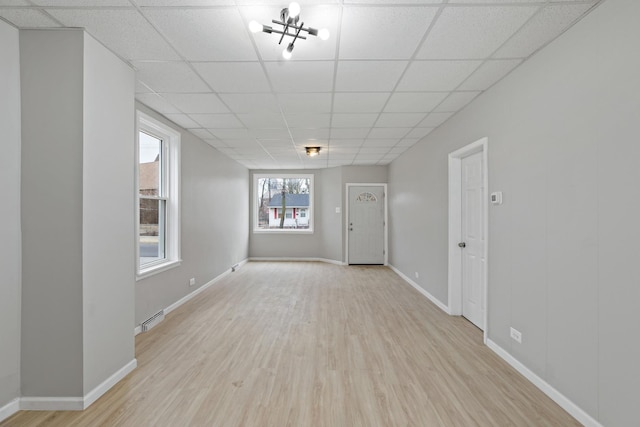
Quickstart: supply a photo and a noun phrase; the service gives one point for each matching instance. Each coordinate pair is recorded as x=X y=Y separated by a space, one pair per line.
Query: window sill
x=153 y=270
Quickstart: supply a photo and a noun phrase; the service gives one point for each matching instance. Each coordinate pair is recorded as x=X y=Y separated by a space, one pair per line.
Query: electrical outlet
x=516 y=335
x=192 y=281
x=417 y=275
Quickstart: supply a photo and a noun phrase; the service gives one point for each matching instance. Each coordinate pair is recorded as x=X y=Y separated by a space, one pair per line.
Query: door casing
x=455 y=227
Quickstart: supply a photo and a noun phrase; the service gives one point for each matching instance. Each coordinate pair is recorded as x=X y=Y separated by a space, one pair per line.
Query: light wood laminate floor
x=313 y=344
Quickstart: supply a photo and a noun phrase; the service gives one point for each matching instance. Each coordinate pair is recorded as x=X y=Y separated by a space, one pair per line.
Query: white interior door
x=366 y=224
x=472 y=245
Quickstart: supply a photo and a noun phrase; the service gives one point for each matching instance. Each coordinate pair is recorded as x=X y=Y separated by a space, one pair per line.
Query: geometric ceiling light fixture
x=289 y=17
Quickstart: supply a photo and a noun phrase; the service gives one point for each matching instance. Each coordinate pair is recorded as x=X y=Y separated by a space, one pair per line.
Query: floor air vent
x=153 y=321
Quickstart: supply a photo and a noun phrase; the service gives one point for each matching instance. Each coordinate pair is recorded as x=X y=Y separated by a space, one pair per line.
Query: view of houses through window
x=283 y=202
x=152 y=200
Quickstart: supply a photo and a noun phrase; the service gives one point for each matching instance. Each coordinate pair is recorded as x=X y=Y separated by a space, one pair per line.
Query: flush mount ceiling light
x=312 y=151
x=289 y=17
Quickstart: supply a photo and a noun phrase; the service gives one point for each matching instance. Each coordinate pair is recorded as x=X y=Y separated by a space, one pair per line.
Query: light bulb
x=294 y=10
x=323 y=34
x=255 y=27
x=286 y=54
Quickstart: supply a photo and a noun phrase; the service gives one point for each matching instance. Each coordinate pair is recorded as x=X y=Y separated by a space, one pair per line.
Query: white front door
x=472 y=245
x=366 y=224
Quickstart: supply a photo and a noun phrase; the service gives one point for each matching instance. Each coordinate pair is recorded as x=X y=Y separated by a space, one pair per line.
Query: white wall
x=563 y=147
x=108 y=214
x=10 y=249
x=213 y=187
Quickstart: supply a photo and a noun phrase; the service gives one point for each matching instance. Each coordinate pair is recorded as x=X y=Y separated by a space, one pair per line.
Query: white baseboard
x=290 y=259
x=9 y=409
x=137 y=330
x=106 y=385
x=51 y=403
x=566 y=404
x=76 y=403
x=431 y=298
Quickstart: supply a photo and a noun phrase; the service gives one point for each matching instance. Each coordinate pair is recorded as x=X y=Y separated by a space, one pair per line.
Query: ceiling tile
x=368 y=76
x=386 y=133
x=389 y=120
x=124 y=31
x=363 y=102
x=169 y=77
x=346 y=144
x=231 y=135
x=392 y=2
x=216 y=143
x=473 y=32
x=435 y=119
x=395 y=34
x=407 y=141
x=262 y=120
x=349 y=133
x=456 y=101
x=14 y=3
x=238 y=77
x=381 y=142
x=270 y=133
x=196 y=102
x=157 y=103
x=308 y=120
x=362 y=120
x=309 y=134
x=251 y=103
x=184 y=121
x=201 y=133
x=489 y=73
x=292 y=76
x=373 y=150
x=273 y=144
x=544 y=27
x=197 y=33
x=414 y=102
x=305 y=103
x=83 y=3
x=436 y=75
x=27 y=18
x=185 y=2
x=313 y=48
x=225 y=121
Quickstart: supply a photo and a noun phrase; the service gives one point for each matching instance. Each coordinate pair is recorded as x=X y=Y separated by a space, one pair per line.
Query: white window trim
x=254 y=204
x=171 y=146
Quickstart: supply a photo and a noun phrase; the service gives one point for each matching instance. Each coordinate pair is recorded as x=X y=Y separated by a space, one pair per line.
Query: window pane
x=149 y=171
x=277 y=195
x=152 y=230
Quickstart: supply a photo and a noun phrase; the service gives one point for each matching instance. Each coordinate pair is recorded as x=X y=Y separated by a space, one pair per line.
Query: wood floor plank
x=313 y=344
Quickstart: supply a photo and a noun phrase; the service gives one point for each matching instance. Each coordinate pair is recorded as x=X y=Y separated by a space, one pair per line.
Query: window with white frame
x=283 y=203
x=158 y=219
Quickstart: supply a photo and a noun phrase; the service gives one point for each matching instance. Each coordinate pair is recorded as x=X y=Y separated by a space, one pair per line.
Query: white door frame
x=455 y=227
x=346 y=223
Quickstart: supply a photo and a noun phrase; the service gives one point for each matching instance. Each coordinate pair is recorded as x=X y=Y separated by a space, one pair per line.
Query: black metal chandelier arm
x=271 y=30
x=311 y=31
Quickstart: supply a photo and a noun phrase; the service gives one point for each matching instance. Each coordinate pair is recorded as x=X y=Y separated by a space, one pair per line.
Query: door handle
x=462 y=245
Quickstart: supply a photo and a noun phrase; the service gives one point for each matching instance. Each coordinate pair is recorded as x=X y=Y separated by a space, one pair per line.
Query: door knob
x=462 y=245
x=350 y=229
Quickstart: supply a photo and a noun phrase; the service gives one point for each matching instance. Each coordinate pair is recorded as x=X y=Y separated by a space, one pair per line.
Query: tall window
x=283 y=203
x=158 y=199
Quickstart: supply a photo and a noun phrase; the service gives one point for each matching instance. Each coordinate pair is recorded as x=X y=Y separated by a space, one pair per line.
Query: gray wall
x=563 y=147
x=108 y=214
x=214 y=217
x=77 y=213
x=51 y=74
x=10 y=249
x=327 y=240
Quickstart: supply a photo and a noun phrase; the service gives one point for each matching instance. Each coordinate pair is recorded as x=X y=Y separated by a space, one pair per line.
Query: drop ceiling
x=390 y=73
